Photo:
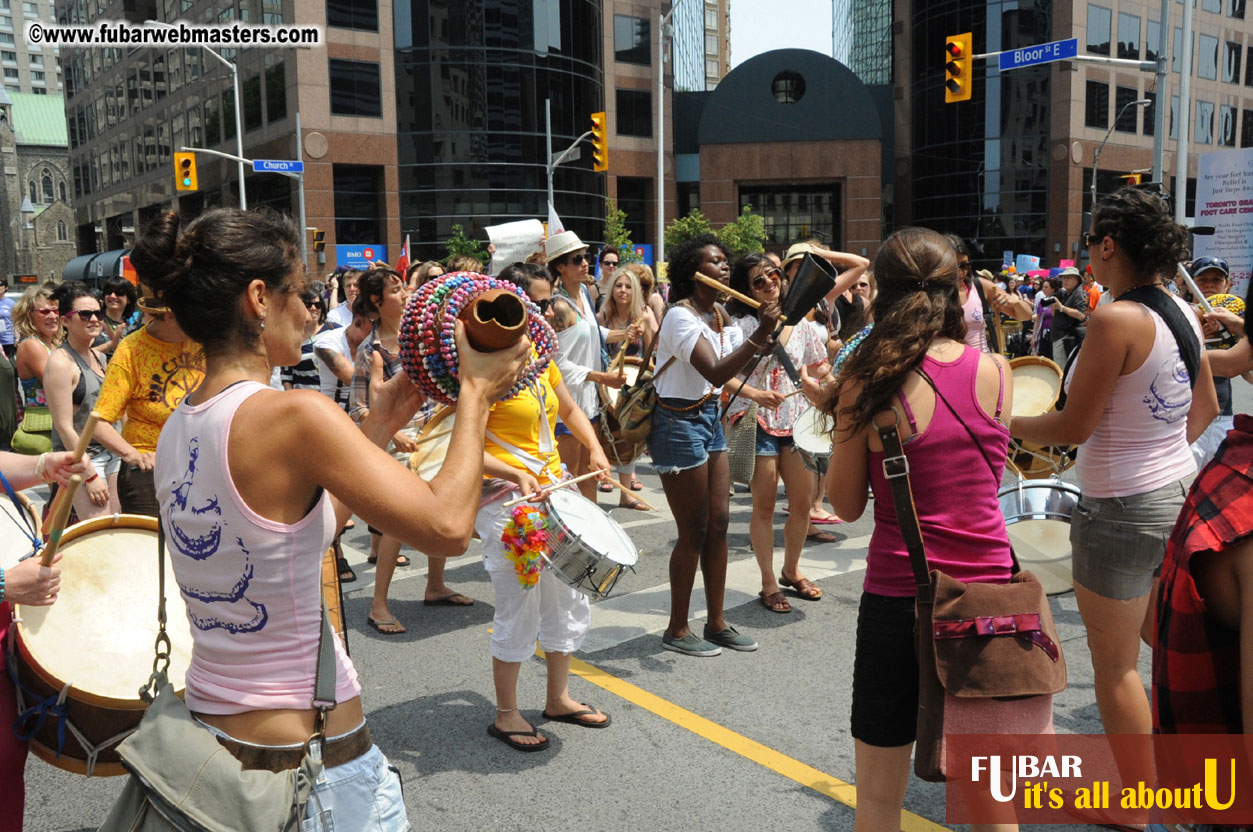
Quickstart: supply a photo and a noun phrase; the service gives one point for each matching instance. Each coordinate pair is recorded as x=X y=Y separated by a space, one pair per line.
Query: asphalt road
x=743 y=741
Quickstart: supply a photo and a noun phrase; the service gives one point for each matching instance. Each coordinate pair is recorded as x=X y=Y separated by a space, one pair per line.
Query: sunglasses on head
x=85 y=314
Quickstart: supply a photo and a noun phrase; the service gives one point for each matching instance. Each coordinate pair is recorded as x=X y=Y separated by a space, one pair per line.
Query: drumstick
x=621 y=356
x=433 y=435
x=60 y=516
x=563 y=484
x=793 y=393
x=1196 y=292
x=634 y=494
x=84 y=436
x=727 y=290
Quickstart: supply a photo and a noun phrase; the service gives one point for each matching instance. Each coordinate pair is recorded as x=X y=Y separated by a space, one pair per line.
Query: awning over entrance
x=94 y=268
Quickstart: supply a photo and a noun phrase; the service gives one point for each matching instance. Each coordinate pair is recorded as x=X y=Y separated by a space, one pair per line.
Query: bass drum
x=81 y=662
x=1037 y=386
x=19 y=530
x=1037 y=517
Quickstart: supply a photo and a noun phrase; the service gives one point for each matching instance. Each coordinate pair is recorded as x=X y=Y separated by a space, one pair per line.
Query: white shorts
x=552 y=611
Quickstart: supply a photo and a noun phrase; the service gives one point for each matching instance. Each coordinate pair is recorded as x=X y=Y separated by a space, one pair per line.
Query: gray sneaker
x=690 y=645
x=731 y=639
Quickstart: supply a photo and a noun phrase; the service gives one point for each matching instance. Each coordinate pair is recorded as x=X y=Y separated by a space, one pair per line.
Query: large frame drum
x=81 y=661
x=1037 y=386
x=1037 y=517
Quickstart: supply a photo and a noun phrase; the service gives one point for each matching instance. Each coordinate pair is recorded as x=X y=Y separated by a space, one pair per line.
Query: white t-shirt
x=679 y=333
x=341 y=315
x=330 y=385
x=578 y=353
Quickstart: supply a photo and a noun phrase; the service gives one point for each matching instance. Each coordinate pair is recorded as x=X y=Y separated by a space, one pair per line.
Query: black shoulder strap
x=1176 y=320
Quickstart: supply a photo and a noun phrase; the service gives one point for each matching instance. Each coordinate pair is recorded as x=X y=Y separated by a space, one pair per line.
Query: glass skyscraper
x=869 y=23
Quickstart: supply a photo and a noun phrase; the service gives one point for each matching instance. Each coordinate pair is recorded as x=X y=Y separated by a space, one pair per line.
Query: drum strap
x=23 y=515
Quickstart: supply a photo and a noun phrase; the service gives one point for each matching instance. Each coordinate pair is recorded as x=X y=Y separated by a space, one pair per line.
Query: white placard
x=1224 y=199
x=515 y=241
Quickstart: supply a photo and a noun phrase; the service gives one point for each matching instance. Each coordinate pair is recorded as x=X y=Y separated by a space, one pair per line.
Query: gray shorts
x=1117 y=543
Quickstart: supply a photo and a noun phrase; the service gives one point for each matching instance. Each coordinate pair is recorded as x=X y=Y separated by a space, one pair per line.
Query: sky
x=762 y=25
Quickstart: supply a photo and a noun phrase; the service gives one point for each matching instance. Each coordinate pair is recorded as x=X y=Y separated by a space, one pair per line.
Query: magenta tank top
x=253 y=586
x=955 y=492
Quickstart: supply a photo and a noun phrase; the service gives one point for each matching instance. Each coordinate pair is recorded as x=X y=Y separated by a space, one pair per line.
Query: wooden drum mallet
x=64 y=501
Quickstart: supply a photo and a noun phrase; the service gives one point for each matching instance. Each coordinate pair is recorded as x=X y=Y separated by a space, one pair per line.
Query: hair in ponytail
x=918 y=302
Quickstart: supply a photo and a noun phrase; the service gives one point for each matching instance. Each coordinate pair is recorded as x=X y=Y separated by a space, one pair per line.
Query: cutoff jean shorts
x=681 y=440
x=1118 y=543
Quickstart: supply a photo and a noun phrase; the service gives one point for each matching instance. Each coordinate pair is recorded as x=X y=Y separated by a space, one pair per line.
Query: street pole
x=660 y=248
x=1185 y=120
x=300 y=195
x=1163 y=100
x=548 y=154
x=1096 y=158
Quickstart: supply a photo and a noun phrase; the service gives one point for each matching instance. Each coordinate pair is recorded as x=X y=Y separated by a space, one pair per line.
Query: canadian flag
x=402 y=263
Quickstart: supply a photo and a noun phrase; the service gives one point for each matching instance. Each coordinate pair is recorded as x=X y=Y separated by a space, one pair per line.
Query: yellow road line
x=790 y=768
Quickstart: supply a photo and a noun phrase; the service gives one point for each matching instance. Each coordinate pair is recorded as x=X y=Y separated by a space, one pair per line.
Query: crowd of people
x=231 y=341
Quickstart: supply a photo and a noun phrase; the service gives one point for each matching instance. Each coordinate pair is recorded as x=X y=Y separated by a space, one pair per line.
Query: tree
x=459 y=243
x=616 y=233
x=685 y=228
x=745 y=235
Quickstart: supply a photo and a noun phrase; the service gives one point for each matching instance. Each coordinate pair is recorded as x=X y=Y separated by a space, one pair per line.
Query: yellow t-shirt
x=516 y=421
x=145 y=381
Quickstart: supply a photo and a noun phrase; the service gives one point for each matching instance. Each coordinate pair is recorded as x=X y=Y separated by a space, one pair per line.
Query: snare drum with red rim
x=81 y=661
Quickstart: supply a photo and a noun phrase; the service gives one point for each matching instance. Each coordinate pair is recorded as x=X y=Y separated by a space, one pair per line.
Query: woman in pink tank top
x=1132 y=410
x=243 y=475
x=955 y=478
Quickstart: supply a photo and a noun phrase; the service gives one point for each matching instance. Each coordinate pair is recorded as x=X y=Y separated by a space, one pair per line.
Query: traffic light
x=600 y=143
x=319 y=240
x=1132 y=178
x=957 y=63
x=185 y=172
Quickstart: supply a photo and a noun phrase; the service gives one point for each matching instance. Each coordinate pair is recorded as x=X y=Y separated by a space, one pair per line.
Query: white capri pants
x=552 y=611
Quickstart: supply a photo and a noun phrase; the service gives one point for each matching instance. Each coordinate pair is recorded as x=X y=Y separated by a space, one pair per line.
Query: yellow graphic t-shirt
x=516 y=421
x=145 y=381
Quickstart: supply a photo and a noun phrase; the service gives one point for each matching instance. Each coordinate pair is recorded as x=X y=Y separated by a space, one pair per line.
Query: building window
x=6 y=22
x=30 y=10
x=1215 y=6
x=1099 y=21
x=1231 y=62
x=1151 y=37
x=32 y=193
x=635 y=113
x=252 y=103
x=1246 y=129
x=6 y=39
x=711 y=18
x=353 y=14
x=1235 y=8
x=1150 y=114
x=788 y=87
x=1227 y=126
x=46 y=182
x=1128 y=36
x=228 y=114
x=356 y=89
x=10 y=74
x=36 y=77
x=1176 y=52
x=1096 y=110
x=1248 y=67
x=1204 y=123
x=1126 y=118
x=62 y=232
x=793 y=213
x=631 y=40
x=276 y=93
x=61 y=185
x=37 y=60
x=1174 y=109
x=358 y=204
x=1207 y=58
x=11 y=57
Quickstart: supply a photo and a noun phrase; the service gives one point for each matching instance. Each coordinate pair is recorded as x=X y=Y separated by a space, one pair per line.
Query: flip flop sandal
x=402 y=560
x=636 y=485
x=605 y=488
x=346 y=575
x=379 y=625
x=573 y=718
x=828 y=520
x=821 y=537
x=773 y=600
x=805 y=588
x=448 y=601
x=504 y=736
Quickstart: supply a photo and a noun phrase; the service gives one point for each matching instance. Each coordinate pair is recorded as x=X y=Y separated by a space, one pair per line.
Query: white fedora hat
x=563 y=243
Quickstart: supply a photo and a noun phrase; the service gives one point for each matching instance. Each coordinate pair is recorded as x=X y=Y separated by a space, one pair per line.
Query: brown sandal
x=805 y=588
x=773 y=600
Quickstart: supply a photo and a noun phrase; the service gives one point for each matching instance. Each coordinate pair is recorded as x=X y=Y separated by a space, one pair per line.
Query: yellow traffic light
x=1132 y=178
x=185 y=172
x=600 y=143
x=957 y=64
x=319 y=240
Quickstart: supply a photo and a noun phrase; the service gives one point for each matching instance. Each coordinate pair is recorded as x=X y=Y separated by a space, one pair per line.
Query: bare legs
x=578 y=460
x=700 y=501
x=388 y=551
x=1114 y=642
x=557 y=701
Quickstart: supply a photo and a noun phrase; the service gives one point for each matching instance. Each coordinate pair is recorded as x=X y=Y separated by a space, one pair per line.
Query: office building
x=869 y=27
x=28 y=67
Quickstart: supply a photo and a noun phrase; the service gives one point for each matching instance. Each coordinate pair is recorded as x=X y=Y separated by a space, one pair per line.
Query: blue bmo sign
x=1058 y=50
x=360 y=256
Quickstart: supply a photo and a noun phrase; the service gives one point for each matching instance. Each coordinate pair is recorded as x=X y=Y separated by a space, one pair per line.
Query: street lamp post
x=239 y=124
x=663 y=20
x=1096 y=158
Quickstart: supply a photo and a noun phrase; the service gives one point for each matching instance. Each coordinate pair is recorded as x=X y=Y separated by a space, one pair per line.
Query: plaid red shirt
x=1196 y=659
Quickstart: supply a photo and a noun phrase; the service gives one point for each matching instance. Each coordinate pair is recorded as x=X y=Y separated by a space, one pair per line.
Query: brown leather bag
x=989 y=658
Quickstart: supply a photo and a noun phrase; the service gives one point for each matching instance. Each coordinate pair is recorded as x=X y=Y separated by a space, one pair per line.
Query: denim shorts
x=682 y=440
x=1118 y=543
x=562 y=430
x=768 y=445
x=106 y=463
x=361 y=795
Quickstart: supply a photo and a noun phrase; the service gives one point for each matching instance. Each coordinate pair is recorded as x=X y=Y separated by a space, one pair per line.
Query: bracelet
x=1 y=585
x=92 y=478
x=40 y=471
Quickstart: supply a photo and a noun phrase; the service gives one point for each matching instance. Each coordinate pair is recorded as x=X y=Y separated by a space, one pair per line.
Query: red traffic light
x=954 y=49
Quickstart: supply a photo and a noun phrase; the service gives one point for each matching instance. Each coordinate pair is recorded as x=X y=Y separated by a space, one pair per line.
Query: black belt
x=335 y=752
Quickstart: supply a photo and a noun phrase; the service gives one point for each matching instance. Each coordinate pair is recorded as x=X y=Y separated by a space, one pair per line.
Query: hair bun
x=154 y=253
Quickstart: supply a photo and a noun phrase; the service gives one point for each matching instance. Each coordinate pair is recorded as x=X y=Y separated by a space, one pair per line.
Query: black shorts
x=885 y=672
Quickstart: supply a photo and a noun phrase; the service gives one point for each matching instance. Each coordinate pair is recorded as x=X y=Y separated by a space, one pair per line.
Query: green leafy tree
x=685 y=228
x=745 y=235
x=616 y=233
x=459 y=243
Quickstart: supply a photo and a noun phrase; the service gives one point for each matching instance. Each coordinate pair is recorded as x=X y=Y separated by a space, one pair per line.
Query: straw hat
x=798 y=250
x=149 y=302
x=562 y=244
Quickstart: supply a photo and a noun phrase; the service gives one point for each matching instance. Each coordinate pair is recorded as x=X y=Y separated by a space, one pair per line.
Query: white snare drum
x=93 y=648
x=589 y=549
x=811 y=436
x=1037 y=517
x=16 y=528
x=1037 y=386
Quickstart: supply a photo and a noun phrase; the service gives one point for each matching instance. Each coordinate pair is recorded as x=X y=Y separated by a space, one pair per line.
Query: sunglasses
x=610 y=264
x=965 y=267
x=544 y=305
x=863 y=285
x=83 y=314
x=52 y=311
x=575 y=259
x=769 y=276
x=314 y=304
x=1090 y=239
x=115 y=294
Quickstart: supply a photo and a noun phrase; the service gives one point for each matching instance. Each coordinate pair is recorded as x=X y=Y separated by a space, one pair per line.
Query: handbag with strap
x=989 y=657
x=34 y=434
x=637 y=403
x=182 y=778
x=742 y=445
